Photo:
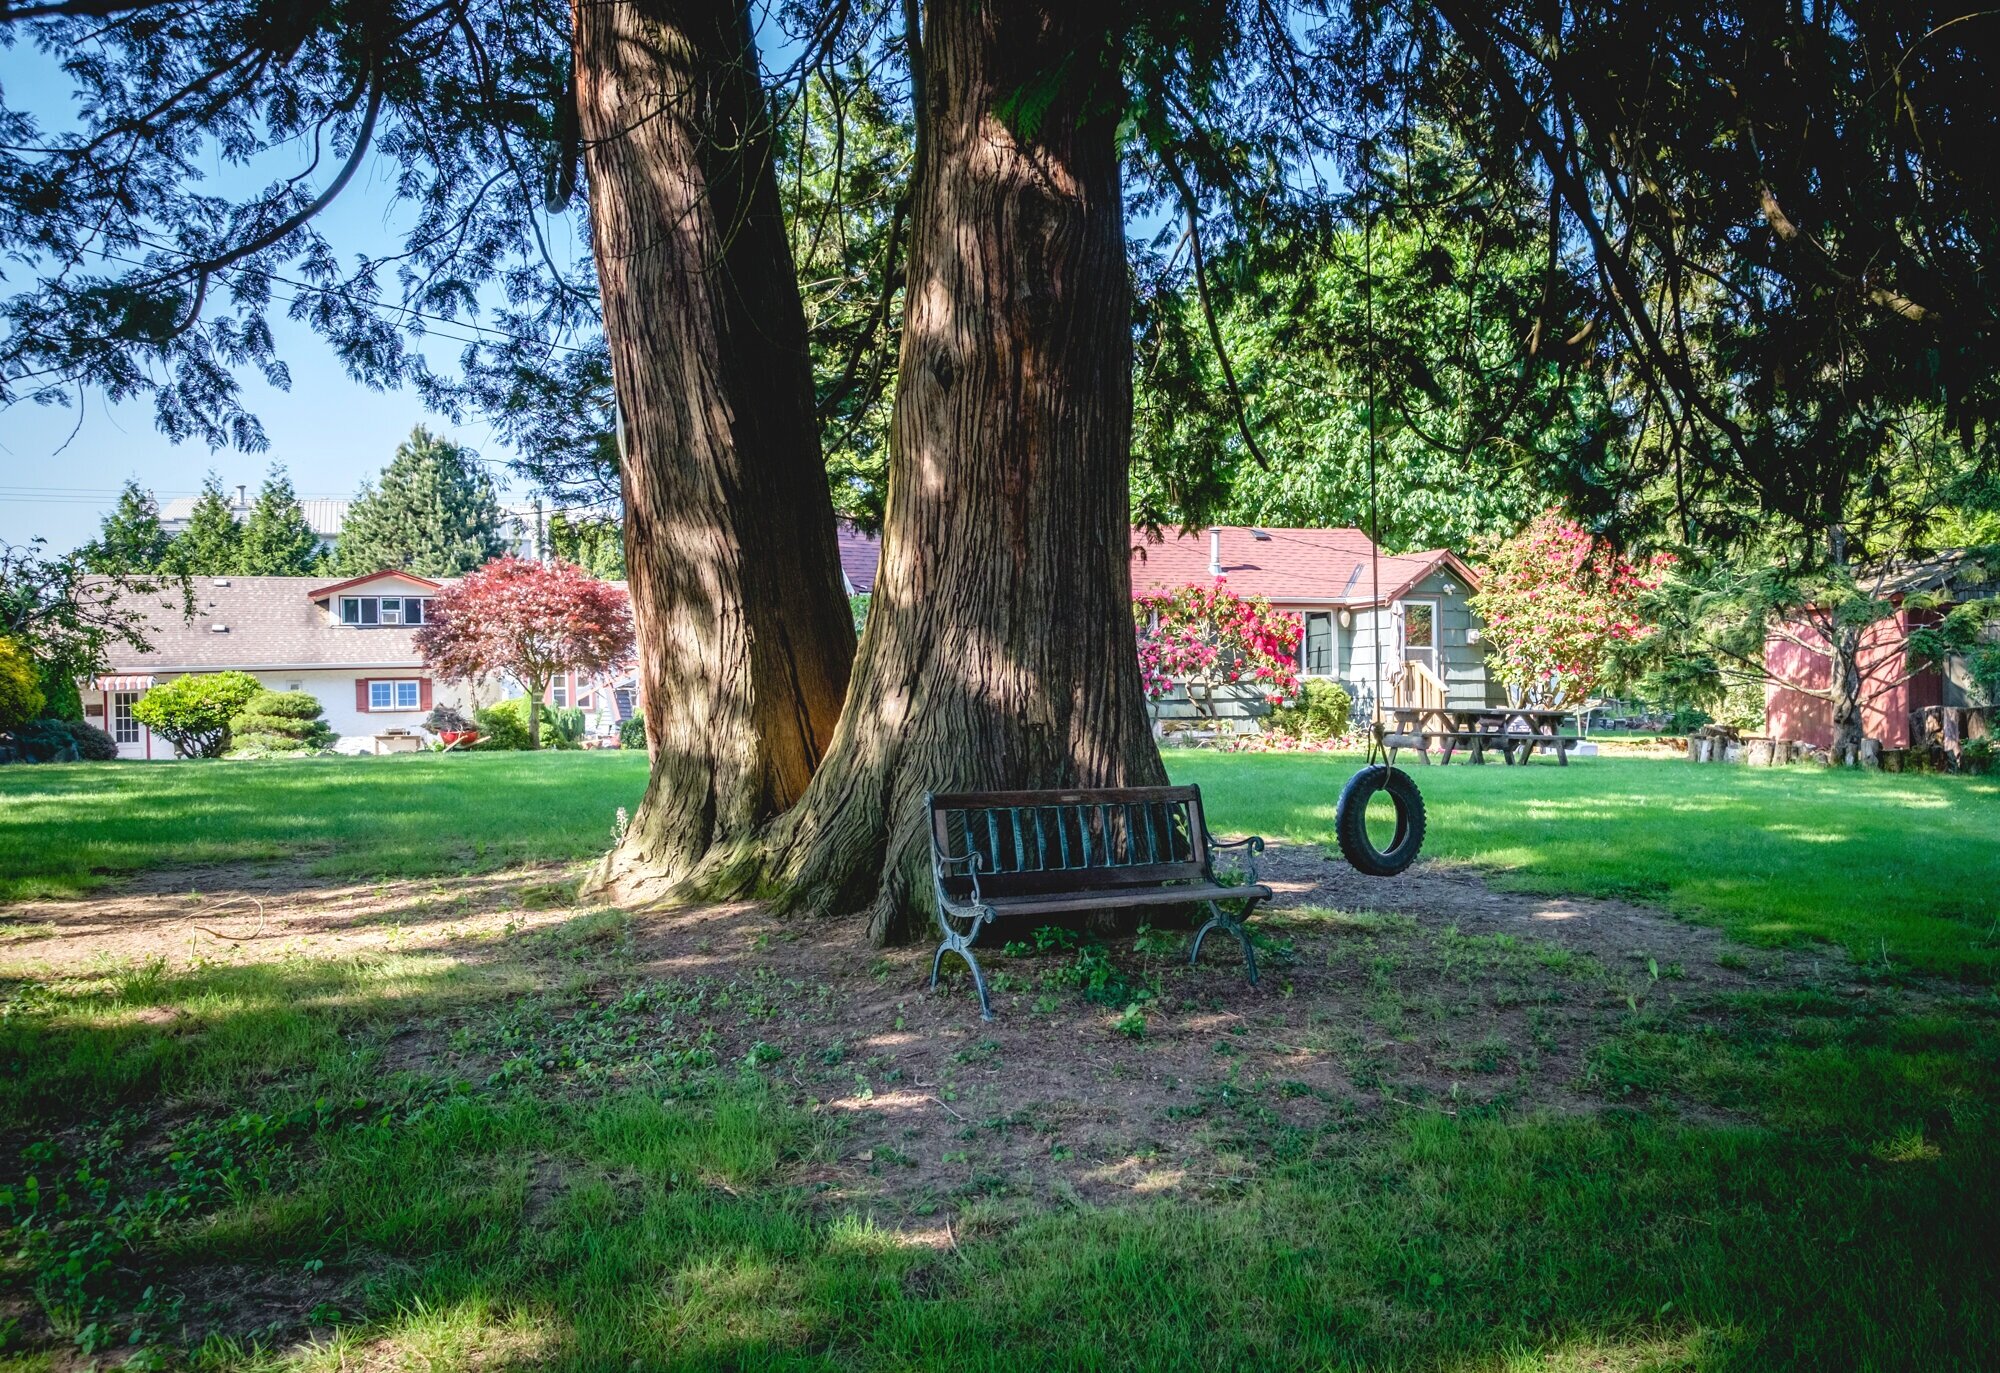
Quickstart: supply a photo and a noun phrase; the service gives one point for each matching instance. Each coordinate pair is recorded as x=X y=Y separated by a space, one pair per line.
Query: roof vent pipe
x=1215 y=550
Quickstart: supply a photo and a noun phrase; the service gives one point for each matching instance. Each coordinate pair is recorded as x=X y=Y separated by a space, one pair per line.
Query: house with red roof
x=1403 y=619
x=1406 y=615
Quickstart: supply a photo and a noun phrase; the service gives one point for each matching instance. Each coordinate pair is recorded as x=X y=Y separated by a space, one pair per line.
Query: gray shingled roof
x=267 y=622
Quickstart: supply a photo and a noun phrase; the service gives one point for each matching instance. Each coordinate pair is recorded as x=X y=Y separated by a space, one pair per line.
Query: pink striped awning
x=124 y=683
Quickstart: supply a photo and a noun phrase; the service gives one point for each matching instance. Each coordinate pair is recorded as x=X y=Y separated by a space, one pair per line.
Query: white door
x=1418 y=622
x=127 y=732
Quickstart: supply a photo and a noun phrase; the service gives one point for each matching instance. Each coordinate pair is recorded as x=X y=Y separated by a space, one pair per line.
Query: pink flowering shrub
x=1204 y=638
x=1555 y=600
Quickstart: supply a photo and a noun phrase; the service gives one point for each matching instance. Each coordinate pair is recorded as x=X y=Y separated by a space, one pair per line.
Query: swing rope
x=1375 y=735
x=1350 y=813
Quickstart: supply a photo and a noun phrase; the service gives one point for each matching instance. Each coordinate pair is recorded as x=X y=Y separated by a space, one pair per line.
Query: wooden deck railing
x=1415 y=686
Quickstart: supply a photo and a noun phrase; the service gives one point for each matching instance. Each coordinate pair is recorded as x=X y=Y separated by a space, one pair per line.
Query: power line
x=336 y=292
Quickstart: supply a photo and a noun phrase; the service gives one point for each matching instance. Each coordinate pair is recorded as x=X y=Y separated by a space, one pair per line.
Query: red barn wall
x=1885 y=687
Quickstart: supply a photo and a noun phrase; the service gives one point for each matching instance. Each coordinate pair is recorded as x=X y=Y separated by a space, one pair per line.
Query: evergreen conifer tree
x=131 y=541
x=595 y=544
x=433 y=512
x=277 y=541
x=212 y=543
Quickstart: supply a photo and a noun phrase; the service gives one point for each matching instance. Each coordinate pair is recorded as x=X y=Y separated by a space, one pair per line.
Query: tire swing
x=1350 y=813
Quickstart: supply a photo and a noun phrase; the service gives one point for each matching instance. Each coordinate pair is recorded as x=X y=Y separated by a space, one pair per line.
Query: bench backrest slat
x=1104 y=838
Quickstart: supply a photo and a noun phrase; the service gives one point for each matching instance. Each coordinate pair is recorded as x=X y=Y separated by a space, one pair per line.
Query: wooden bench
x=1008 y=854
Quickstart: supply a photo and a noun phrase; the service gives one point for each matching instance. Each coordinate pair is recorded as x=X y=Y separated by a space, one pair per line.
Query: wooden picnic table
x=1506 y=728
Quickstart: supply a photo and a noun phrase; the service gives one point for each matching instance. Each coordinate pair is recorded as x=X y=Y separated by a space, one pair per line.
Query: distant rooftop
x=327 y=515
x=324 y=514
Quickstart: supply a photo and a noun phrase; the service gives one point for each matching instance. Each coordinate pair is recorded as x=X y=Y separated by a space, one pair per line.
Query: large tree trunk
x=744 y=632
x=999 y=647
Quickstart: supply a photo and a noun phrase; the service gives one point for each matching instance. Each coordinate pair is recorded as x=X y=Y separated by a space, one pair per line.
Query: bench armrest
x=1251 y=846
x=969 y=861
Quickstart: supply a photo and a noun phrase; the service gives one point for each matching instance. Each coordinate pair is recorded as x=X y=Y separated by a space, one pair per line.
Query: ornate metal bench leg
x=962 y=946
x=1234 y=924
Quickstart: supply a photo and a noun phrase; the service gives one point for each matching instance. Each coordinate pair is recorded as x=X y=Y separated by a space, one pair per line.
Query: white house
x=349 y=643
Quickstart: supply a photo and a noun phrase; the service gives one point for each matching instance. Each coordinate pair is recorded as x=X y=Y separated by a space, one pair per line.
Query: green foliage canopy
x=21 y=695
x=433 y=512
x=212 y=543
x=131 y=540
x=277 y=540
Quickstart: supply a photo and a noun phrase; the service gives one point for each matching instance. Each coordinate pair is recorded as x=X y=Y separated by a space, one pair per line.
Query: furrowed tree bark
x=999 y=646
x=745 y=638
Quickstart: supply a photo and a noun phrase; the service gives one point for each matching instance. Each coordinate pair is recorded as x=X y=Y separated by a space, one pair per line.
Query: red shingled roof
x=1285 y=566
x=860 y=554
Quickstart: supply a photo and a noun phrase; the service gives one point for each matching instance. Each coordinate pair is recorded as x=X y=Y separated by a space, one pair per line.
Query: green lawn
x=1906 y=866
x=61 y=828
x=1903 y=866
x=578 y=1181
x=511 y=1151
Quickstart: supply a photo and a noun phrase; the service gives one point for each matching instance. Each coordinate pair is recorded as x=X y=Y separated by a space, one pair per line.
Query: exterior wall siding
x=1794 y=713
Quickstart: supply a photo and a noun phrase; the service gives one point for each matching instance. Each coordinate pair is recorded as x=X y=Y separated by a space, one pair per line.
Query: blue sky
x=60 y=468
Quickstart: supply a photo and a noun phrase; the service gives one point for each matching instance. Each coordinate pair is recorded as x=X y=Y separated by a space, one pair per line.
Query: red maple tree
x=530 y=621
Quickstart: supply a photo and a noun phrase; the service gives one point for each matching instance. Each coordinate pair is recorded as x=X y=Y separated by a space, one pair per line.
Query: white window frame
x=387 y=695
x=559 y=689
x=1434 y=662
x=1332 y=642
x=376 y=612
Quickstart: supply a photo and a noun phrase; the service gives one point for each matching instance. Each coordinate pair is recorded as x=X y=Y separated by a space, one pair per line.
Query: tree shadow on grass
x=224 y=1133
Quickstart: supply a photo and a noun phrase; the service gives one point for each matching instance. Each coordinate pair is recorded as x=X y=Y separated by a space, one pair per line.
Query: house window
x=124 y=728
x=366 y=612
x=400 y=695
x=559 y=690
x=1316 y=645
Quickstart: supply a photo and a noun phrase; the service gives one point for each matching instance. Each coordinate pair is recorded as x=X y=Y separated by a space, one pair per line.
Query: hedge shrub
x=280 y=722
x=49 y=740
x=1324 y=710
x=502 y=727
x=193 y=712
x=632 y=732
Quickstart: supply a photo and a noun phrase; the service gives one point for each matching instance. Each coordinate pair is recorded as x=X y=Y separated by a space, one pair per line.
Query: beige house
x=349 y=643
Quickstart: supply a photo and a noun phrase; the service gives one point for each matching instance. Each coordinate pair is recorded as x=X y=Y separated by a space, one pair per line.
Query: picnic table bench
x=1009 y=854
x=1507 y=729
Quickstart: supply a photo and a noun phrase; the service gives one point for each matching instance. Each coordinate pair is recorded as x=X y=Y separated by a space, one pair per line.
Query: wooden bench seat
x=1004 y=854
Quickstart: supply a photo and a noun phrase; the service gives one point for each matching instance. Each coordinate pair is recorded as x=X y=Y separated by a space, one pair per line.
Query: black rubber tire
x=1350 y=821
